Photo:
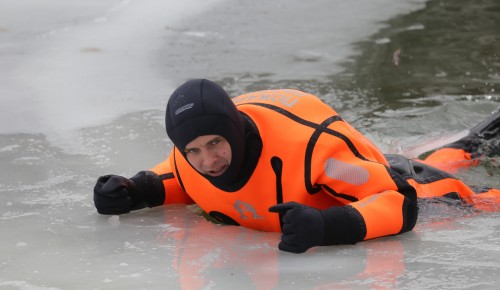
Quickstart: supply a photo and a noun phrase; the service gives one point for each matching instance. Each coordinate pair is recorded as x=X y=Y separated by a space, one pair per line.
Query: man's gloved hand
x=113 y=194
x=303 y=227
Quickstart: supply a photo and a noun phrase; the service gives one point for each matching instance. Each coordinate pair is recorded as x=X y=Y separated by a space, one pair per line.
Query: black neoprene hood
x=200 y=107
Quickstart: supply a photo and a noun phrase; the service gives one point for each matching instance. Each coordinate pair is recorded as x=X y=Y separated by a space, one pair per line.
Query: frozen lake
x=83 y=88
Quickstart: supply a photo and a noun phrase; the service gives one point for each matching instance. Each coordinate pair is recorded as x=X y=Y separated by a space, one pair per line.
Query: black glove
x=303 y=227
x=113 y=194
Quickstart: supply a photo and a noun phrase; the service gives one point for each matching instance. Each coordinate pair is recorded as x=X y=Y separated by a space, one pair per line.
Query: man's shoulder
x=281 y=98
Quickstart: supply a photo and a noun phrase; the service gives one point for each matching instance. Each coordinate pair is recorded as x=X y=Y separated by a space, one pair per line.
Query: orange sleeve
x=378 y=201
x=383 y=213
x=173 y=191
x=450 y=159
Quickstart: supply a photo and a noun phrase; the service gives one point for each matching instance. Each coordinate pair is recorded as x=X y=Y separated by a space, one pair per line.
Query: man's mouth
x=218 y=172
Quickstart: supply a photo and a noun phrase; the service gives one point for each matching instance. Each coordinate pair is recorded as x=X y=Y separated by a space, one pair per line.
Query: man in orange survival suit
x=277 y=160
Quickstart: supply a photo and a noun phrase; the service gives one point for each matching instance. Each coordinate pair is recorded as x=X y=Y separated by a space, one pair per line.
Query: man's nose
x=209 y=158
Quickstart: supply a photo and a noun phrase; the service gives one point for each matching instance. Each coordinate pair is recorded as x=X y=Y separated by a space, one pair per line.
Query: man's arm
x=380 y=214
x=114 y=194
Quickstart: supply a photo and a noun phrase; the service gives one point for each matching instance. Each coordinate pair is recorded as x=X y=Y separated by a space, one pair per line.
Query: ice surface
x=72 y=65
x=83 y=85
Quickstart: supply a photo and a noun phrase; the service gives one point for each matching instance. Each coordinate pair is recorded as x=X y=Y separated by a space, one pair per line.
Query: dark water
x=434 y=69
x=443 y=57
x=448 y=48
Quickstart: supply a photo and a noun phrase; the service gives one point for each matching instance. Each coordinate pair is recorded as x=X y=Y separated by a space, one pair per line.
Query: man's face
x=209 y=154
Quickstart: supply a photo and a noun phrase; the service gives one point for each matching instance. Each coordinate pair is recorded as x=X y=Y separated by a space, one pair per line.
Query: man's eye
x=191 y=150
x=215 y=142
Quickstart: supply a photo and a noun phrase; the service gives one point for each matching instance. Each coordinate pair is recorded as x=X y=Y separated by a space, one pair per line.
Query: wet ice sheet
x=52 y=237
x=67 y=67
x=175 y=248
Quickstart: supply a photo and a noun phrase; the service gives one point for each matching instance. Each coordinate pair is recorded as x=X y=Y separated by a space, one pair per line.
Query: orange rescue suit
x=309 y=155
